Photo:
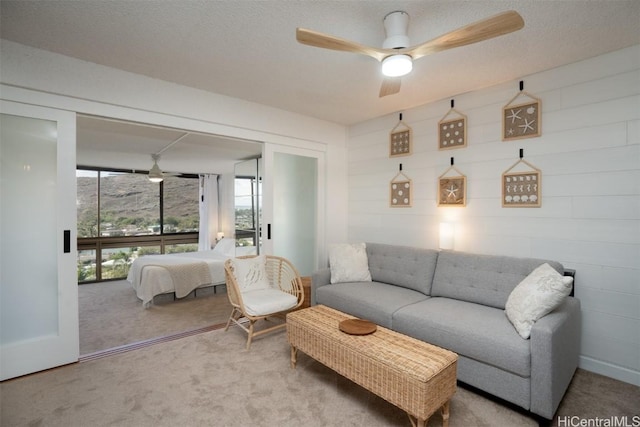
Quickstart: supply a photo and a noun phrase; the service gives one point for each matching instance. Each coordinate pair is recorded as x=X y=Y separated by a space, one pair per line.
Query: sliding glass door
x=293 y=202
x=38 y=283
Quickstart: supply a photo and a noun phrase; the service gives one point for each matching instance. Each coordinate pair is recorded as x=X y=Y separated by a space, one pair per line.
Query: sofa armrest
x=319 y=278
x=555 y=348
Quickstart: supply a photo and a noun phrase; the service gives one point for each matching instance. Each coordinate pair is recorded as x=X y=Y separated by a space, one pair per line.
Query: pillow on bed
x=225 y=247
x=251 y=273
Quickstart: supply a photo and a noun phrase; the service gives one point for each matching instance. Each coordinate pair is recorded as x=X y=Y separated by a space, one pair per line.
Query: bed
x=180 y=273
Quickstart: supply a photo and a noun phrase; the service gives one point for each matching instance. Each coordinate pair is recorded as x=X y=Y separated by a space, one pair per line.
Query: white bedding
x=148 y=278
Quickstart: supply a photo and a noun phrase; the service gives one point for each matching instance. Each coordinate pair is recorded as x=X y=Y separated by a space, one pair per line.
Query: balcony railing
x=109 y=258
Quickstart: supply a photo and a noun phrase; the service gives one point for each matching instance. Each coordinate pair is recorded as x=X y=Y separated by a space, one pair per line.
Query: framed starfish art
x=521 y=120
x=452 y=190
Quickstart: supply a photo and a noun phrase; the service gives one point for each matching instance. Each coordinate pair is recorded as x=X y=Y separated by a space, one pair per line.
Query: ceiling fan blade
x=325 y=41
x=500 y=24
x=390 y=86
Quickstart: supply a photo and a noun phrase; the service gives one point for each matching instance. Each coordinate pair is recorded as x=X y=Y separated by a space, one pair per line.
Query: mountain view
x=130 y=205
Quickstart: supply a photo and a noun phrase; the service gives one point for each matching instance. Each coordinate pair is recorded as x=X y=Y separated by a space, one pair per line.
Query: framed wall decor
x=400 y=191
x=452 y=189
x=522 y=118
x=400 y=140
x=452 y=130
x=522 y=189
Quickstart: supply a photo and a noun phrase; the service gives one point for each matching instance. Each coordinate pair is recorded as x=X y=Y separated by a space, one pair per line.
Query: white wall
x=44 y=78
x=589 y=154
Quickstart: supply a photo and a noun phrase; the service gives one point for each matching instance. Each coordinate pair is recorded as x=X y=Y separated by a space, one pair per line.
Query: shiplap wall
x=589 y=155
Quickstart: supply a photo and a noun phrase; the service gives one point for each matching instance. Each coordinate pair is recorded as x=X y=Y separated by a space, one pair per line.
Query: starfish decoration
x=451 y=191
x=527 y=125
x=514 y=115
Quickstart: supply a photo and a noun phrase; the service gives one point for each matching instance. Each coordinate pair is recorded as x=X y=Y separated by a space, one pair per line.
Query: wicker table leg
x=445 y=414
x=416 y=422
x=294 y=357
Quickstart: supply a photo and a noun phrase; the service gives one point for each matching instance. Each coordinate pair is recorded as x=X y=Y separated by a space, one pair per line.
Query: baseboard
x=609 y=370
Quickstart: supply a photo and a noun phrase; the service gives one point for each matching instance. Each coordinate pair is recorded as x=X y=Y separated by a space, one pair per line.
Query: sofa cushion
x=404 y=266
x=476 y=331
x=348 y=262
x=537 y=295
x=372 y=301
x=482 y=279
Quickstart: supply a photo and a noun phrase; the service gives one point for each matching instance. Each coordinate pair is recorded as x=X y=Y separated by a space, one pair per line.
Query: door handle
x=67 y=241
x=268 y=231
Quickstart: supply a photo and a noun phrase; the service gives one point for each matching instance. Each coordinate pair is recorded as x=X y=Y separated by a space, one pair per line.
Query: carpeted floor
x=211 y=380
x=111 y=315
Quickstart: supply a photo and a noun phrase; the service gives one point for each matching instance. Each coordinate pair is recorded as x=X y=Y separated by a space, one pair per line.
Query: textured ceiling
x=247 y=49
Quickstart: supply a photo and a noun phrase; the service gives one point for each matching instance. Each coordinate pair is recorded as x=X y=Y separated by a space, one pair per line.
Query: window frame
x=162 y=239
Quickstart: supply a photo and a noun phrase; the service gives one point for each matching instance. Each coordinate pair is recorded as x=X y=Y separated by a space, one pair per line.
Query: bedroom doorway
x=111 y=316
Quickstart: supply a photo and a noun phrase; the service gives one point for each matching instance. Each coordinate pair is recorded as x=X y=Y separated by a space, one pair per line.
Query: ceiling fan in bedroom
x=397 y=57
x=155 y=173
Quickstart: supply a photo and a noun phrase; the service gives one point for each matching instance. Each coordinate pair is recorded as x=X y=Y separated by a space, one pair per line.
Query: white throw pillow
x=536 y=296
x=226 y=247
x=251 y=273
x=349 y=263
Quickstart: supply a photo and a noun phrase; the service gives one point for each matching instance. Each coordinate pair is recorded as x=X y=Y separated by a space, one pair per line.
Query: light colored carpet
x=210 y=379
x=111 y=315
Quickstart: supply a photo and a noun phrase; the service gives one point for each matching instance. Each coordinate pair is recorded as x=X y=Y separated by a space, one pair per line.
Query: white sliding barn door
x=38 y=278
x=293 y=205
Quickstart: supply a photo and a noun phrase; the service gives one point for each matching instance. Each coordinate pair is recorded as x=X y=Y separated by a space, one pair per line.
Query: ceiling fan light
x=397 y=65
x=155 y=174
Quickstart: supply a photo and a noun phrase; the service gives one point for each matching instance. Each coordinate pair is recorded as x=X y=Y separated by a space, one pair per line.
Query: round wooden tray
x=357 y=327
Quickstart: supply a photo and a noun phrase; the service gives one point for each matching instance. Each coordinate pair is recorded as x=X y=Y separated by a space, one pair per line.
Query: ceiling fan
x=155 y=173
x=397 y=58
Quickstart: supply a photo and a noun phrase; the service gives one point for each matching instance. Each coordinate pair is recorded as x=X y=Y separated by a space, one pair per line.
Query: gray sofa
x=456 y=300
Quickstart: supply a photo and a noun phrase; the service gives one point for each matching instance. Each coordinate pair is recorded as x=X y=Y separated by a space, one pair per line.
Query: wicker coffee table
x=417 y=377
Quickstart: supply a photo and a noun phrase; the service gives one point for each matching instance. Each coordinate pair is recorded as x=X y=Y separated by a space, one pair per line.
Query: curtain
x=208 y=211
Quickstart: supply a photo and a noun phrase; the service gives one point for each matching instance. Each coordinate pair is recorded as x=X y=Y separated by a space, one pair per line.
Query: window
x=86 y=265
x=129 y=205
x=248 y=192
x=122 y=215
x=87 y=203
x=181 y=215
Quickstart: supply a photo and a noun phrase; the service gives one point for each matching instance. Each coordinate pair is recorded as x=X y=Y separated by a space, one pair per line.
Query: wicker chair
x=285 y=293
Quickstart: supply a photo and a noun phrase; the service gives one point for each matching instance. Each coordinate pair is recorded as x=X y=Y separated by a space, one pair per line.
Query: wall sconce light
x=447 y=231
x=219 y=236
